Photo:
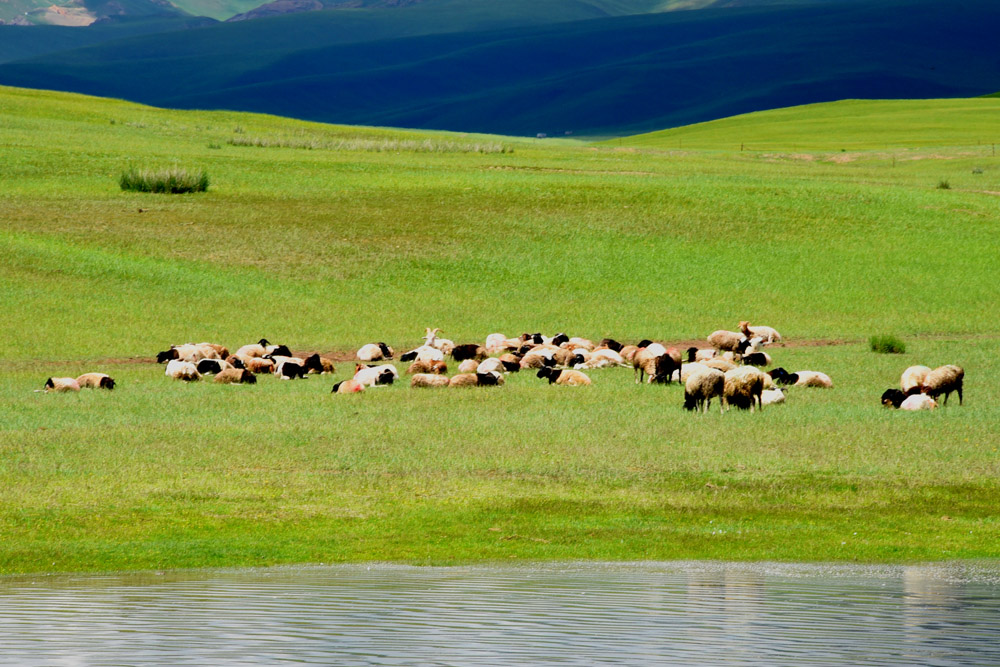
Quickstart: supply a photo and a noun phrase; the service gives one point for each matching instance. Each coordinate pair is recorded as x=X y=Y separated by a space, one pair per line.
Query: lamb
x=374 y=352
x=743 y=387
x=423 y=366
x=768 y=335
x=469 y=351
x=912 y=379
x=95 y=381
x=212 y=366
x=701 y=387
x=781 y=376
x=569 y=378
x=235 y=376
x=468 y=366
x=61 y=385
x=428 y=380
x=182 y=370
x=490 y=379
x=894 y=398
x=944 y=380
x=351 y=386
x=728 y=341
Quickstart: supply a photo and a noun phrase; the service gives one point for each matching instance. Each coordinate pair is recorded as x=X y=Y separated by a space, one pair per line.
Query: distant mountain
x=606 y=76
x=76 y=13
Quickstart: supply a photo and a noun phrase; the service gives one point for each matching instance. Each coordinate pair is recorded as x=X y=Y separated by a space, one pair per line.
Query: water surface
x=566 y=614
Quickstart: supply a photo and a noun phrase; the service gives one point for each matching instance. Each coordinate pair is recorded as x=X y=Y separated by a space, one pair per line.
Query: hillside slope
x=605 y=76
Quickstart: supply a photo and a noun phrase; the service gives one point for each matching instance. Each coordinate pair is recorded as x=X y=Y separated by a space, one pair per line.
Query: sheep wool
x=464 y=380
x=813 y=379
x=61 y=385
x=468 y=366
x=912 y=379
x=182 y=370
x=701 y=387
x=236 y=376
x=95 y=381
x=428 y=380
x=347 y=387
x=944 y=380
x=771 y=396
x=727 y=341
x=565 y=377
x=743 y=388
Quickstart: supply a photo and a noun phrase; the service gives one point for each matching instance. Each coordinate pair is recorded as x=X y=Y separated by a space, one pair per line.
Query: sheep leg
x=959 y=390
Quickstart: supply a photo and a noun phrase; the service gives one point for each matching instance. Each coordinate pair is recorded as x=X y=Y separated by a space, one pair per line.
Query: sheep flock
x=728 y=369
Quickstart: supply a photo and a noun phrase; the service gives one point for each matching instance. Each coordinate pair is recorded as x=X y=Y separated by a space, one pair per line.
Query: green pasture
x=328 y=249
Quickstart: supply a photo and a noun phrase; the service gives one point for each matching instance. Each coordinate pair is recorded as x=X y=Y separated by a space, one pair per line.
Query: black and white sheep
x=61 y=385
x=567 y=377
x=701 y=387
x=375 y=352
x=95 y=381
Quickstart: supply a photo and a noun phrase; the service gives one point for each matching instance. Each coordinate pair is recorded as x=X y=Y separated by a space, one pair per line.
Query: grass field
x=327 y=249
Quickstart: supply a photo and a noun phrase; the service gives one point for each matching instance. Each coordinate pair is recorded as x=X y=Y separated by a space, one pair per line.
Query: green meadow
x=328 y=237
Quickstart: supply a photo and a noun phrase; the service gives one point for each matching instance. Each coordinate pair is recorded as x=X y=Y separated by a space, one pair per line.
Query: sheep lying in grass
x=429 y=380
x=813 y=379
x=260 y=366
x=894 y=398
x=431 y=340
x=468 y=366
x=376 y=375
x=491 y=364
x=569 y=378
x=944 y=380
x=768 y=335
x=374 y=352
x=695 y=355
x=95 y=381
x=602 y=357
x=772 y=396
x=701 y=387
x=423 y=366
x=423 y=353
x=351 y=386
x=470 y=351
x=743 y=388
x=491 y=379
x=213 y=366
x=235 y=376
x=61 y=385
x=912 y=379
x=182 y=370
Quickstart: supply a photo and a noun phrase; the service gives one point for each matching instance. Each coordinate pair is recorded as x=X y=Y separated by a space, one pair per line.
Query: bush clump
x=169 y=181
x=887 y=344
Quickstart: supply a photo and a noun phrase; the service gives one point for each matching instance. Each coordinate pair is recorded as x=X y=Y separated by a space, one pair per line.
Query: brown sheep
x=236 y=376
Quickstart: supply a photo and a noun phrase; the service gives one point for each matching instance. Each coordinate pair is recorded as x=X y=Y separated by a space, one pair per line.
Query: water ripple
x=565 y=614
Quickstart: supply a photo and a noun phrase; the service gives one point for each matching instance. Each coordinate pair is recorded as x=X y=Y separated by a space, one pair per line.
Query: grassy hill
x=847 y=124
x=604 y=76
x=328 y=237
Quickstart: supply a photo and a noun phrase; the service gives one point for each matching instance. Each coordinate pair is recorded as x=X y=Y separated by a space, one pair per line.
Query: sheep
x=781 y=376
x=756 y=359
x=812 y=379
x=258 y=349
x=374 y=352
x=694 y=354
x=375 y=375
x=422 y=366
x=771 y=396
x=464 y=380
x=912 y=379
x=350 y=386
x=684 y=372
x=894 y=398
x=576 y=342
x=428 y=380
x=182 y=370
x=944 y=380
x=423 y=353
x=768 y=335
x=260 y=366
x=628 y=353
x=235 y=376
x=743 y=387
x=659 y=367
x=510 y=363
x=719 y=363
x=469 y=351
x=61 y=385
x=431 y=340
x=497 y=342
x=491 y=364
x=468 y=366
x=728 y=341
x=611 y=344
x=95 y=381
x=536 y=360
x=237 y=361
x=701 y=387
x=289 y=369
x=221 y=350
x=318 y=365
x=212 y=366
x=490 y=379
x=569 y=378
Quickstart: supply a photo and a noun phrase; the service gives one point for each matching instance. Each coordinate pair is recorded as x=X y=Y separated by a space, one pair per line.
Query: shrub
x=887 y=344
x=944 y=185
x=171 y=181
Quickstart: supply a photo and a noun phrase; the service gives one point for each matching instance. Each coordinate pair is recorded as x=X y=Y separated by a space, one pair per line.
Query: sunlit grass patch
x=164 y=181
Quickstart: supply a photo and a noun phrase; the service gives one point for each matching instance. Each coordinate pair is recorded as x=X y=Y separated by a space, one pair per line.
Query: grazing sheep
x=728 y=341
x=236 y=376
x=428 y=380
x=182 y=370
x=944 y=380
x=743 y=388
x=423 y=366
x=701 y=387
x=61 y=384
x=351 y=386
x=469 y=351
x=684 y=372
x=767 y=335
x=771 y=396
x=913 y=378
x=212 y=366
x=95 y=381
x=375 y=352
x=812 y=379
x=569 y=378
x=659 y=367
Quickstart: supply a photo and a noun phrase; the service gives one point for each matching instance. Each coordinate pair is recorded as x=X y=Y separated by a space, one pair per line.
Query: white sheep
x=728 y=341
x=813 y=379
x=944 y=380
x=61 y=385
x=374 y=352
x=767 y=335
x=912 y=379
x=182 y=370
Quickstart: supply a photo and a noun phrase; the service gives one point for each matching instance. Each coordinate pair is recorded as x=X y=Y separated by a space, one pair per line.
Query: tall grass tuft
x=943 y=185
x=887 y=344
x=375 y=145
x=170 y=181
